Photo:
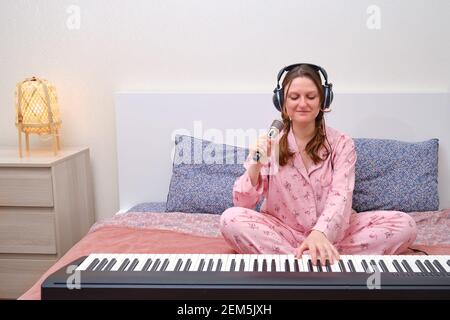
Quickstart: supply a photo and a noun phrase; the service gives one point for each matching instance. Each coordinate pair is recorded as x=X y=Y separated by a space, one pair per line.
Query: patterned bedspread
x=433 y=226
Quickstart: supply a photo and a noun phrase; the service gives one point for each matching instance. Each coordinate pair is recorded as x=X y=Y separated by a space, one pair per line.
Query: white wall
x=207 y=46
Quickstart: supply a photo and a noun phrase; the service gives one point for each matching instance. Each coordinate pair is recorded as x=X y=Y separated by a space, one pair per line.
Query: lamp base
x=55 y=143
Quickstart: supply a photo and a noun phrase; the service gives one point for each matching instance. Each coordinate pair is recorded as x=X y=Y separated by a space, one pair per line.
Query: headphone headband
x=292 y=66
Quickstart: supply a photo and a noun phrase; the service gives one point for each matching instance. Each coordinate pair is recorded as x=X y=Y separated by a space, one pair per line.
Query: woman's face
x=302 y=101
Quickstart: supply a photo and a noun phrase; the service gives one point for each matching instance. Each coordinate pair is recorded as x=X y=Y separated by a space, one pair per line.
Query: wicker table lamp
x=37 y=111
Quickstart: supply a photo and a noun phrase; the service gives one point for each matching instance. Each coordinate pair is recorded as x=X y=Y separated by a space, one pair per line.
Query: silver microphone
x=274 y=130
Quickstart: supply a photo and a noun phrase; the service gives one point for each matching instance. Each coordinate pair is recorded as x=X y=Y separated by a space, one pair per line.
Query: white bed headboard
x=146 y=123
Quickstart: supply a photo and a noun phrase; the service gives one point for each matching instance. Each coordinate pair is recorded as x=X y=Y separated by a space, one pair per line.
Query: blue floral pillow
x=203 y=175
x=396 y=175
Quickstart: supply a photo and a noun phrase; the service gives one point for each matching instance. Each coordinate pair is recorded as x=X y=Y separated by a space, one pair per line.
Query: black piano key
x=101 y=265
x=155 y=265
x=407 y=266
x=319 y=265
x=310 y=266
x=242 y=265
x=255 y=265
x=351 y=266
x=164 y=265
x=448 y=262
x=365 y=265
x=147 y=264
x=430 y=266
x=383 y=266
x=342 y=265
x=327 y=265
x=286 y=266
x=133 y=264
x=201 y=265
x=210 y=264
x=264 y=265
x=296 y=266
x=219 y=265
x=178 y=265
x=124 y=264
x=233 y=265
x=111 y=264
x=93 y=264
x=273 y=266
x=397 y=266
x=374 y=266
x=421 y=266
x=439 y=266
x=187 y=265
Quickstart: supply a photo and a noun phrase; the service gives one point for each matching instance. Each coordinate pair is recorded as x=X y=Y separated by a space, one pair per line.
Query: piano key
x=174 y=262
x=178 y=265
x=421 y=266
x=93 y=264
x=101 y=265
x=201 y=265
x=219 y=265
x=247 y=265
x=255 y=265
x=156 y=265
x=351 y=266
x=406 y=266
x=439 y=267
x=124 y=264
x=195 y=262
x=327 y=267
x=292 y=260
x=335 y=266
x=133 y=264
x=357 y=263
x=443 y=262
x=86 y=263
x=342 y=265
x=374 y=266
x=264 y=265
x=210 y=265
x=365 y=266
x=273 y=265
x=187 y=265
x=282 y=262
x=430 y=266
x=319 y=266
x=242 y=265
x=397 y=265
x=164 y=264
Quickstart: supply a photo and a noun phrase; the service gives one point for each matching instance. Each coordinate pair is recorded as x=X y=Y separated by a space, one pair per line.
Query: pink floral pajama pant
x=374 y=232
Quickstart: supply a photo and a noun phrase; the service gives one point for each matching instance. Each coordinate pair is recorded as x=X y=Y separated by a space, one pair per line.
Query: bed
x=156 y=217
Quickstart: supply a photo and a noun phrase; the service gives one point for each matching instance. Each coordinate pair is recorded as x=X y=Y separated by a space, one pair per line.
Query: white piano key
x=443 y=261
x=195 y=260
x=230 y=258
x=335 y=266
x=282 y=258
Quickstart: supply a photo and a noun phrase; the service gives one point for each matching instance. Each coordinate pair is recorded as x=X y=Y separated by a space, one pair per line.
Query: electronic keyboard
x=250 y=277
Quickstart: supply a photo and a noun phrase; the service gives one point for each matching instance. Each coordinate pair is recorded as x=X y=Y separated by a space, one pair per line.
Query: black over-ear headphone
x=278 y=92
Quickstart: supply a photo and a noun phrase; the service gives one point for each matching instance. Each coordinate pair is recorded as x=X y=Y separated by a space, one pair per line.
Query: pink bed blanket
x=154 y=232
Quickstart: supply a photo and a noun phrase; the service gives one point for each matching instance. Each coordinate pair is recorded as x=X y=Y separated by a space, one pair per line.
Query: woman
x=308 y=200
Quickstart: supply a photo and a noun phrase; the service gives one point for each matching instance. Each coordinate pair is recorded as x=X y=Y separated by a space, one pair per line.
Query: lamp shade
x=37 y=110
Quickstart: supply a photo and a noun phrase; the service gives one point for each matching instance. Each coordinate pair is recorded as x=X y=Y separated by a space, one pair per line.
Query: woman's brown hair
x=320 y=136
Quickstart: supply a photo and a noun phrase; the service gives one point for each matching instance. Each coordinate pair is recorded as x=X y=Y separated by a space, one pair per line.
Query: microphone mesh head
x=278 y=124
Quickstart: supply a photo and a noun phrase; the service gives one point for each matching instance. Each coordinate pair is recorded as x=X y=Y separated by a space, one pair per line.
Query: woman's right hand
x=264 y=147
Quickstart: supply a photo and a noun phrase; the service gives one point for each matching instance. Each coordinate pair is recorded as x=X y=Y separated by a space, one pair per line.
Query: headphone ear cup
x=328 y=97
x=278 y=98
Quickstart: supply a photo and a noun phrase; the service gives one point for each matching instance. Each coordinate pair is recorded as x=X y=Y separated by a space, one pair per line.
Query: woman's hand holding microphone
x=260 y=153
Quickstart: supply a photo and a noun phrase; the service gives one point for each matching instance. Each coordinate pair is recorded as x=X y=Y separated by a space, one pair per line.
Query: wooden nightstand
x=46 y=206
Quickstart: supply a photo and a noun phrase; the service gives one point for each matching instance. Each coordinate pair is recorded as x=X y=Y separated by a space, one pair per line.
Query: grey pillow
x=396 y=175
x=390 y=175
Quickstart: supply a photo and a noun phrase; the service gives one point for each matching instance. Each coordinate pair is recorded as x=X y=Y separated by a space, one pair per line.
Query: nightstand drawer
x=18 y=275
x=26 y=187
x=27 y=230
